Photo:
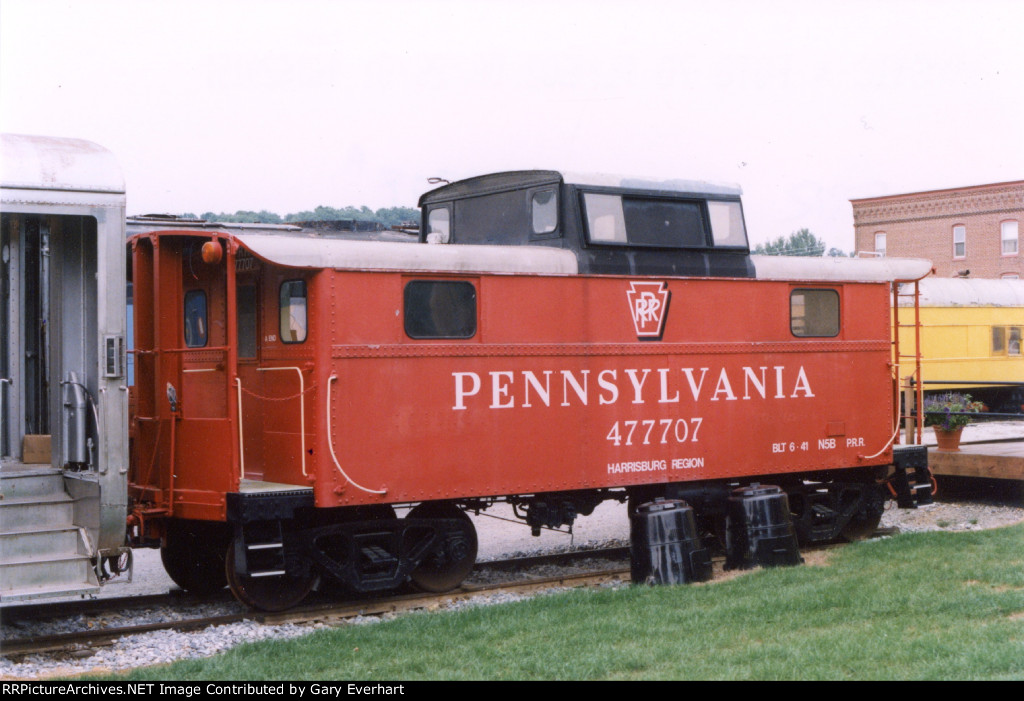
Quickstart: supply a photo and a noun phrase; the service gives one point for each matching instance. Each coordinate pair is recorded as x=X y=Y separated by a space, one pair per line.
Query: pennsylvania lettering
x=508 y=389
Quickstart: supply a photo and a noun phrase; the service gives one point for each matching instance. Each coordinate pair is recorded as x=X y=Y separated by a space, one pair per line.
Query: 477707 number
x=655 y=431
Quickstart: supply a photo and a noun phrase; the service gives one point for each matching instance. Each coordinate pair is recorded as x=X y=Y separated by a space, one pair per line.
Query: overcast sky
x=288 y=105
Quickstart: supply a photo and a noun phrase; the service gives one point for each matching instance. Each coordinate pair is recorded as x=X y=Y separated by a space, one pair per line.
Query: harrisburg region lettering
x=508 y=389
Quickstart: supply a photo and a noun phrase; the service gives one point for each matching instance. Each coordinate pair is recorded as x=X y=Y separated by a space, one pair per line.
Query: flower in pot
x=947 y=414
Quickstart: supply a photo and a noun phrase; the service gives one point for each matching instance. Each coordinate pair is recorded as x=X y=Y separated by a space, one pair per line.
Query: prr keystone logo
x=648 y=303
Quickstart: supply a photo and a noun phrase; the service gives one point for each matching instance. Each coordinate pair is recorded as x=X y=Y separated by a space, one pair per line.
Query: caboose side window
x=439 y=222
x=644 y=221
x=727 y=223
x=814 y=313
x=293 y=311
x=605 y=220
x=195 y=319
x=440 y=309
x=544 y=209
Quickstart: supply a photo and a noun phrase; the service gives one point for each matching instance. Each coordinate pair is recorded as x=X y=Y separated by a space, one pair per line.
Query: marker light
x=212 y=252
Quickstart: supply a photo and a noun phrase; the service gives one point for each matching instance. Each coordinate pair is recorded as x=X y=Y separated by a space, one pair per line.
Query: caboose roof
x=519 y=179
x=828 y=269
x=675 y=186
x=299 y=252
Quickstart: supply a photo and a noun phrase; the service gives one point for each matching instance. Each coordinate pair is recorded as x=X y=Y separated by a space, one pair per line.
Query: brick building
x=975 y=228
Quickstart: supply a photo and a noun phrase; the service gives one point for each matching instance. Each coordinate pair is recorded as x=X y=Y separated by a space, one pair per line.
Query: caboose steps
x=42 y=551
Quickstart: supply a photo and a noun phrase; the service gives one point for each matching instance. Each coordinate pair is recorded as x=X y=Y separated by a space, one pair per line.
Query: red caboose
x=292 y=390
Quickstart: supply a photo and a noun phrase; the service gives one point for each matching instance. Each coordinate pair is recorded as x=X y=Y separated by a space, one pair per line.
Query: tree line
x=389 y=216
x=799 y=243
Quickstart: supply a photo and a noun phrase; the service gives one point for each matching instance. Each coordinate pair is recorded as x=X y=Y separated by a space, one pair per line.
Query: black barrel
x=665 y=545
x=758 y=529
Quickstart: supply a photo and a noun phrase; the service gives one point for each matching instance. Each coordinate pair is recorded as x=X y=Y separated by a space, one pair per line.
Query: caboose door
x=251 y=418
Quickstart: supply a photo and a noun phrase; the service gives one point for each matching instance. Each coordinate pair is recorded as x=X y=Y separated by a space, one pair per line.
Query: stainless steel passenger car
x=63 y=395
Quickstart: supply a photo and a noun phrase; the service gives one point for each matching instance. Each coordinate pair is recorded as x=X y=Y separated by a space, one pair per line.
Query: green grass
x=919 y=606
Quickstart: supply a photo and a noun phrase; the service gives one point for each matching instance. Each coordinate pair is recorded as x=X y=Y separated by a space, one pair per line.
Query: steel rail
x=321 y=611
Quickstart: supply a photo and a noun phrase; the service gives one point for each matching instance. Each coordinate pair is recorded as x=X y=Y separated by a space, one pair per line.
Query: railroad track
x=321 y=609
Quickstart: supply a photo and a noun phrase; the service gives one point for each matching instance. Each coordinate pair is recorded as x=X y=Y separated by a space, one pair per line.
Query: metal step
x=67 y=572
x=42 y=552
x=70 y=576
x=36 y=513
x=29 y=481
x=19 y=546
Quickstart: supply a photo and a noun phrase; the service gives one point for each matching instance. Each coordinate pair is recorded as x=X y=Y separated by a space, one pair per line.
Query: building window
x=1008 y=235
x=880 y=243
x=959 y=241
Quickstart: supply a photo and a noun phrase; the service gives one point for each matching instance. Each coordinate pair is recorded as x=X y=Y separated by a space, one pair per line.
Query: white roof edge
x=387 y=255
x=57 y=163
x=828 y=269
x=643 y=183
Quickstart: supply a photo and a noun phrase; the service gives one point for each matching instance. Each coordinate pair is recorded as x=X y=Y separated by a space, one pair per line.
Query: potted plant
x=948 y=414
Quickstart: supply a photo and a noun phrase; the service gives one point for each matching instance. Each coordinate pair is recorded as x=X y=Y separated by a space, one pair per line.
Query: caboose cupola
x=613 y=225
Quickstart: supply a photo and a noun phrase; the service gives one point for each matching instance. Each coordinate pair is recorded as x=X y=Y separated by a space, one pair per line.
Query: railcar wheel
x=445 y=569
x=272 y=593
x=193 y=555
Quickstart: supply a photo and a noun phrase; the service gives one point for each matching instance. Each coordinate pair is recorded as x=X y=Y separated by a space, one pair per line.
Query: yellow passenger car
x=970 y=339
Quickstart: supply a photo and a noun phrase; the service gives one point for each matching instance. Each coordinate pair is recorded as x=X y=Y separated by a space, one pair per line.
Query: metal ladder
x=910 y=393
x=912 y=481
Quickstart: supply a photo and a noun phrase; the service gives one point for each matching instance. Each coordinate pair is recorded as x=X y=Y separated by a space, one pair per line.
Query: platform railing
x=302 y=416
